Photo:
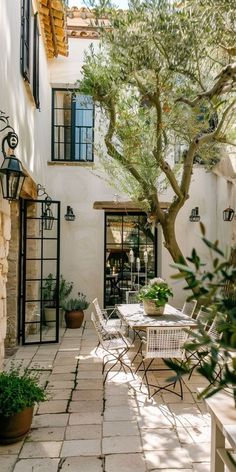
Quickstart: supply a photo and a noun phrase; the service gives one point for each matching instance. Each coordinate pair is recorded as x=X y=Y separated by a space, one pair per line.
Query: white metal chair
x=189 y=307
x=114 y=344
x=164 y=343
x=104 y=318
x=131 y=296
x=203 y=316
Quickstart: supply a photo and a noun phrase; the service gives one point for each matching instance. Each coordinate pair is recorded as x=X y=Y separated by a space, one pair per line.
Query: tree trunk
x=168 y=228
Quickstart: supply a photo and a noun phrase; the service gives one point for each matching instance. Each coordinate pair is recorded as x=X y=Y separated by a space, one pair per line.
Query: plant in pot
x=212 y=355
x=74 y=310
x=154 y=296
x=19 y=392
x=50 y=297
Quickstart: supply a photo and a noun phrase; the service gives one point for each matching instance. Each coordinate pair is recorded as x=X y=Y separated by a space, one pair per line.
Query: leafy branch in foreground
x=213 y=353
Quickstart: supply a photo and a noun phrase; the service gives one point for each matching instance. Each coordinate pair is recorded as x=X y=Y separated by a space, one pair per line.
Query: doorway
x=130 y=255
x=39 y=265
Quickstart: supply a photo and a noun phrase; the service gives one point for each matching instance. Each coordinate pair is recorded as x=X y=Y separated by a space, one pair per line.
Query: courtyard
x=86 y=427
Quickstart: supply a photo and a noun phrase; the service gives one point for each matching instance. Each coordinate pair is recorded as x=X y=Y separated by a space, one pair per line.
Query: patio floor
x=85 y=428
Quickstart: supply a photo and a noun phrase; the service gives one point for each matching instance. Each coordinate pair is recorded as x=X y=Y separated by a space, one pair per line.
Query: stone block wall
x=5 y=236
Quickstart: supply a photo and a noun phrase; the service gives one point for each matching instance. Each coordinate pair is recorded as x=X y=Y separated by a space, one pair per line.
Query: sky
x=79 y=3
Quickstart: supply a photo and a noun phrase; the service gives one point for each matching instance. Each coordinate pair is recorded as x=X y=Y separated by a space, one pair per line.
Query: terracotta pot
x=14 y=428
x=150 y=308
x=74 y=318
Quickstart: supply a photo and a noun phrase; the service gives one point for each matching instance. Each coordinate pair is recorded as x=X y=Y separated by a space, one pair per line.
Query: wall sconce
x=228 y=214
x=194 y=216
x=69 y=216
x=12 y=175
x=47 y=214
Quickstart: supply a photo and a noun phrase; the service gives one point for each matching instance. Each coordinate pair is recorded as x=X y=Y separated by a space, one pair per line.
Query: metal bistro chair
x=105 y=319
x=163 y=343
x=189 y=307
x=114 y=344
x=131 y=296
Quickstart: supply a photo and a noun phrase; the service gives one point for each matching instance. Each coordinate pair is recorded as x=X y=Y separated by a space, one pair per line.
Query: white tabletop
x=133 y=314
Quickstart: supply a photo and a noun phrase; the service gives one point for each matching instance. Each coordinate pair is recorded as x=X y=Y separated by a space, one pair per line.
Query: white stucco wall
x=31 y=125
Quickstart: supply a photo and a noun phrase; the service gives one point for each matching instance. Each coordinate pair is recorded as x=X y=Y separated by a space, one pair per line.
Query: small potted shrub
x=50 y=297
x=18 y=395
x=154 y=296
x=74 y=310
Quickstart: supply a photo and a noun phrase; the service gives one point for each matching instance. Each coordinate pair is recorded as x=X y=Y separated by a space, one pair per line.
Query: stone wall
x=13 y=278
x=5 y=235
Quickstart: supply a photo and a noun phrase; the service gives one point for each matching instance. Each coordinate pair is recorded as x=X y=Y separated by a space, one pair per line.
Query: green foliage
x=157 y=290
x=50 y=290
x=214 y=356
x=79 y=303
x=19 y=391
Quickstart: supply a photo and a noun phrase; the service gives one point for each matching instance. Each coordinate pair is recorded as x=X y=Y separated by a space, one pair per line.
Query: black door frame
x=22 y=323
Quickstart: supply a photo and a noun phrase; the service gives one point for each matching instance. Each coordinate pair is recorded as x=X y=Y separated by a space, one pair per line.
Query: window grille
x=72 y=126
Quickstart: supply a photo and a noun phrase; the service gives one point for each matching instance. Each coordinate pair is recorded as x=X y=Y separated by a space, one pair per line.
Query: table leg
x=217 y=441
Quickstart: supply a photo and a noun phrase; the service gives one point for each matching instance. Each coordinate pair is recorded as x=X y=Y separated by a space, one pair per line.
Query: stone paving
x=84 y=427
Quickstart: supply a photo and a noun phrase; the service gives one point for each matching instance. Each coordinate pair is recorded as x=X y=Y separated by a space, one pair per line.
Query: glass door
x=130 y=255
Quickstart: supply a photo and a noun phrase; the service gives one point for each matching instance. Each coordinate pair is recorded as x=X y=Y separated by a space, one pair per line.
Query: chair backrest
x=165 y=342
x=213 y=332
x=189 y=307
x=99 y=312
x=131 y=296
x=203 y=316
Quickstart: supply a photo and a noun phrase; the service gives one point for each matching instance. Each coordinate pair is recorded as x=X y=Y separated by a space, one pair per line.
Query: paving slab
x=94 y=384
x=85 y=418
x=40 y=421
x=40 y=449
x=46 y=434
x=55 y=394
x=87 y=395
x=125 y=463
x=53 y=406
x=119 y=413
x=11 y=449
x=83 y=431
x=95 y=406
x=120 y=428
x=155 y=439
x=36 y=465
x=168 y=459
x=199 y=452
x=83 y=447
x=7 y=463
x=121 y=444
x=81 y=464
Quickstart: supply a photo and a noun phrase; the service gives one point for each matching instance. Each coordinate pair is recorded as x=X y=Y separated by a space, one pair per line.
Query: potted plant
x=74 y=310
x=213 y=356
x=50 y=297
x=18 y=395
x=154 y=296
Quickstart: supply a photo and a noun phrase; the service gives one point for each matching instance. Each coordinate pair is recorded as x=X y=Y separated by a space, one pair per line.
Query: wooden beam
x=124 y=206
x=53 y=28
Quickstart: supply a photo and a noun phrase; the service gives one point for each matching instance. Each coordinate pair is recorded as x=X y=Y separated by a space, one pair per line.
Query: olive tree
x=164 y=78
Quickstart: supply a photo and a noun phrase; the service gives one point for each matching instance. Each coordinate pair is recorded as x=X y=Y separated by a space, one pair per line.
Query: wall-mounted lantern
x=69 y=216
x=12 y=175
x=228 y=214
x=194 y=215
x=47 y=214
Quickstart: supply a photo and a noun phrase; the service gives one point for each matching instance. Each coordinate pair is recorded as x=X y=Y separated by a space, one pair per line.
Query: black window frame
x=72 y=131
x=36 y=62
x=26 y=9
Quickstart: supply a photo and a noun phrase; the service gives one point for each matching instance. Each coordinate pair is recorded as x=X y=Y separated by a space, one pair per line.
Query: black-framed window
x=72 y=126
x=25 y=38
x=123 y=232
x=36 y=62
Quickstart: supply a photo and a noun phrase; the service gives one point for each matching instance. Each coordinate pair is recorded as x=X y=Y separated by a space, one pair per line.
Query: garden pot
x=14 y=428
x=74 y=318
x=150 y=308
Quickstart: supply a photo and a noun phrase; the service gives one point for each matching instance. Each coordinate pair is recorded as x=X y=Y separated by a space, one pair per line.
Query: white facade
x=77 y=185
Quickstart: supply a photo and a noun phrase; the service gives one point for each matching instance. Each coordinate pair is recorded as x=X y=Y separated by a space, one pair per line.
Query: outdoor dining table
x=133 y=315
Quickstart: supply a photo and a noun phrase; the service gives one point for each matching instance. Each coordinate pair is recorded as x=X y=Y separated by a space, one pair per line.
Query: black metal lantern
x=228 y=214
x=194 y=216
x=47 y=216
x=69 y=216
x=11 y=173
